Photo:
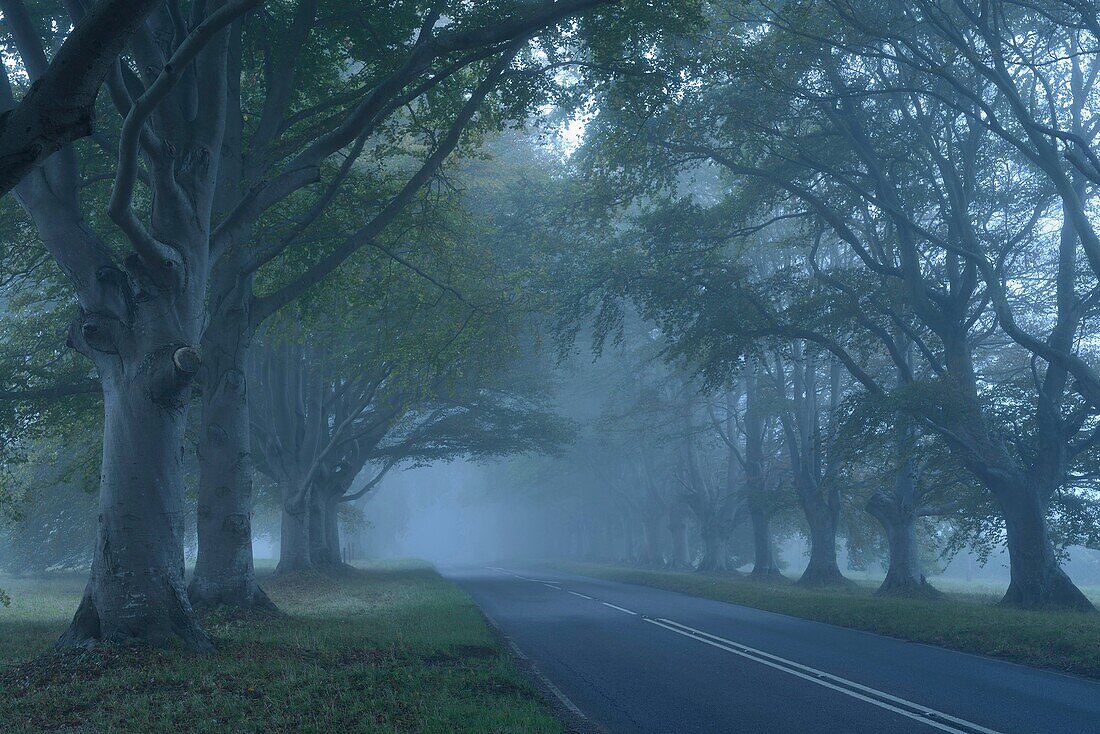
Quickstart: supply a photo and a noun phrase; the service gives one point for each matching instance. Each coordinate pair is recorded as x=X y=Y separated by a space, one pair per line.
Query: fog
x=323 y=323
x=458 y=514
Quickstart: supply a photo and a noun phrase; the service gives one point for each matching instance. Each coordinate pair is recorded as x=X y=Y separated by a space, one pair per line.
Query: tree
x=139 y=323
x=183 y=216
x=394 y=122
x=899 y=176
x=60 y=106
x=398 y=369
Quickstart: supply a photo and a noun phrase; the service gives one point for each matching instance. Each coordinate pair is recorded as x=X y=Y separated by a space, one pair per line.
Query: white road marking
x=534 y=669
x=619 y=608
x=577 y=593
x=551 y=586
x=923 y=714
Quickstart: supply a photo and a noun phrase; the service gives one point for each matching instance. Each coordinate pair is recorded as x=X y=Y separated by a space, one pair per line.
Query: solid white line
x=576 y=593
x=845 y=681
x=564 y=699
x=534 y=670
x=824 y=679
x=619 y=608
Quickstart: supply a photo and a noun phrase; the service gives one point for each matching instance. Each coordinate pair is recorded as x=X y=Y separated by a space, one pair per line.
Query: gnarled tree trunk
x=715 y=549
x=822 y=520
x=136 y=590
x=294 y=552
x=678 y=527
x=903 y=573
x=324 y=530
x=1037 y=580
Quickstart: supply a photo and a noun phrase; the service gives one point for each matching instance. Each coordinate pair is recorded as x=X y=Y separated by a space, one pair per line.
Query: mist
x=550 y=366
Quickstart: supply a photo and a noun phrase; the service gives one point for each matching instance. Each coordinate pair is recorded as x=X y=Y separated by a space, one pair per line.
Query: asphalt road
x=637 y=659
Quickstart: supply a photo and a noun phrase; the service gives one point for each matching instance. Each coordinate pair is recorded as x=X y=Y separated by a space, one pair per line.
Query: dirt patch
x=460 y=654
x=59 y=668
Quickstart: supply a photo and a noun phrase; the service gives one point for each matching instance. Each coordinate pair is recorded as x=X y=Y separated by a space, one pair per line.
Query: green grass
x=389 y=648
x=1063 y=641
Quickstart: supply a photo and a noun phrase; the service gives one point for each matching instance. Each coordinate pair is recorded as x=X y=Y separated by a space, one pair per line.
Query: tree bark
x=324 y=531
x=764 y=563
x=1037 y=580
x=224 y=571
x=653 y=555
x=136 y=590
x=903 y=573
x=60 y=106
x=333 y=555
x=822 y=569
x=681 y=551
x=294 y=542
x=715 y=550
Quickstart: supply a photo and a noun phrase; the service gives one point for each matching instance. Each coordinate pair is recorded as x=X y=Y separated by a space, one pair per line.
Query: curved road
x=637 y=659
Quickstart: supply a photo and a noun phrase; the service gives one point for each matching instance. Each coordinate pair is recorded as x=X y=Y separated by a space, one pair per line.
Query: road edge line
x=561 y=706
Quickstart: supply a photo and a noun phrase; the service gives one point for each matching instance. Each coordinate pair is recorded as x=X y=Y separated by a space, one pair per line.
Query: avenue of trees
x=838 y=262
x=874 y=223
x=244 y=154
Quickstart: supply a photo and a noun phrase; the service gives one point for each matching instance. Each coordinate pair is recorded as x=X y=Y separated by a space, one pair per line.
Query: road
x=637 y=659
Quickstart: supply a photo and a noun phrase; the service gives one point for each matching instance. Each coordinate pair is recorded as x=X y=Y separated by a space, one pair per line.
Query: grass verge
x=389 y=648
x=1063 y=641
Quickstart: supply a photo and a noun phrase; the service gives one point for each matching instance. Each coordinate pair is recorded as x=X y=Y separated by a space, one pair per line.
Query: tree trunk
x=1037 y=580
x=332 y=532
x=652 y=555
x=681 y=552
x=317 y=527
x=224 y=570
x=324 y=531
x=715 y=551
x=903 y=573
x=822 y=570
x=294 y=542
x=136 y=590
x=764 y=565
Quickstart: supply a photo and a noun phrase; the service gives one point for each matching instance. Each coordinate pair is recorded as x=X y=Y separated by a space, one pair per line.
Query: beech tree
x=185 y=200
x=60 y=106
x=906 y=189
x=327 y=430
x=140 y=318
x=311 y=152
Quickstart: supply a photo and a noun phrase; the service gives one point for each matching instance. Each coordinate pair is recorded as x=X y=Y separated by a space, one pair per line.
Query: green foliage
x=54 y=505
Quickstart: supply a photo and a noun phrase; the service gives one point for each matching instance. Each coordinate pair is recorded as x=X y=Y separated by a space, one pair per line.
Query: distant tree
x=872 y=139
x=190 y=185
x=54 y=525
x=402 y=373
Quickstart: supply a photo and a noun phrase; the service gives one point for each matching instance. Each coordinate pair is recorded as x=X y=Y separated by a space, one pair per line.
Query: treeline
x=677 y=472
x=859 y=238
x=264 y=185
x=866 y=236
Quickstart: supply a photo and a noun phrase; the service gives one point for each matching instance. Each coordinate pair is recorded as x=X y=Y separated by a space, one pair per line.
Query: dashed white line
x=577 y=593
x=931 y=717
x=550 y=586
x=606 y=604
